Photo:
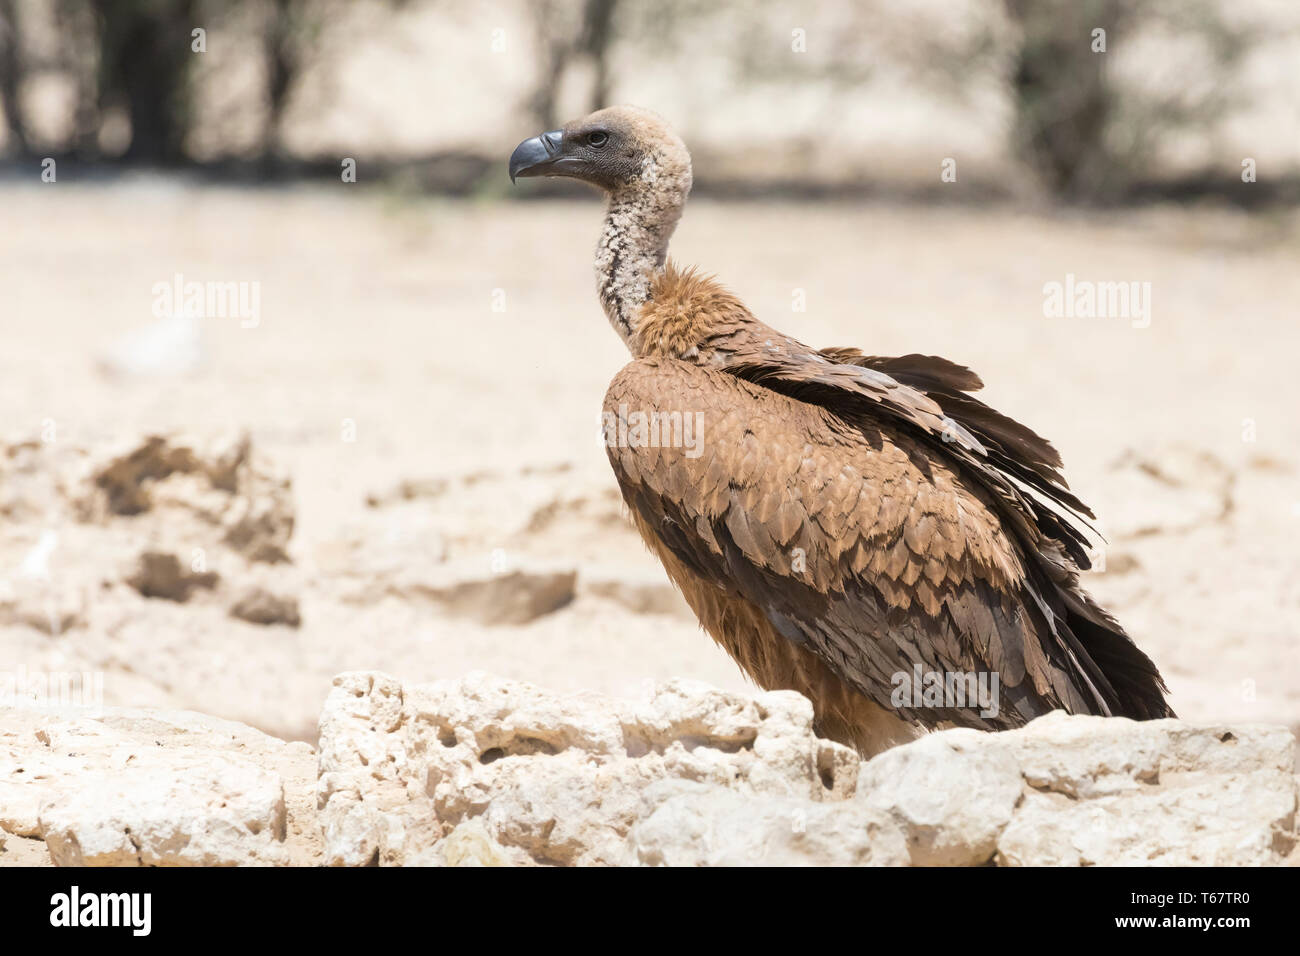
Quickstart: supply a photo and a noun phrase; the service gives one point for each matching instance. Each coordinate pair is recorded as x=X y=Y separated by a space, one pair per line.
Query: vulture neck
x=633 y=250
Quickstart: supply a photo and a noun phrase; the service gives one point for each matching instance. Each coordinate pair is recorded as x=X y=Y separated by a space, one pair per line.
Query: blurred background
x=851 y=98
x=298 y=383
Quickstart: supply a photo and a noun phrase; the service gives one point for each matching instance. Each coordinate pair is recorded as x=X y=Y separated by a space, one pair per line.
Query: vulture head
x=619 y=149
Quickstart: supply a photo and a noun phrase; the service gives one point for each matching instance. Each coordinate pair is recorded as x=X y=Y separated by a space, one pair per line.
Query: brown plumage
x=841 y=519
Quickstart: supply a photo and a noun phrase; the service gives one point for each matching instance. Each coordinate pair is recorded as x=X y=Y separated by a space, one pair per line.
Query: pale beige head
x=617 y=149
x=645 y=170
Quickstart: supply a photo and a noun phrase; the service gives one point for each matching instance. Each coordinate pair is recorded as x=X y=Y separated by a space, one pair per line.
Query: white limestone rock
x=952 y=793
x=559 y=779
x=212 y=812
x=488 y=771
x=1116 y=792
x=688 y=824
x=138 y=787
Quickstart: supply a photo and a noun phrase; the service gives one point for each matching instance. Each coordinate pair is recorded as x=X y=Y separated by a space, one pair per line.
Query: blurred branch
x=560 y=42
x=11 y=74
x=597 y=32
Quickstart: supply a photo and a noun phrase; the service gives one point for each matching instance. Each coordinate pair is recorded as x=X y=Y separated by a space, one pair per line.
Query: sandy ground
x=429 y=375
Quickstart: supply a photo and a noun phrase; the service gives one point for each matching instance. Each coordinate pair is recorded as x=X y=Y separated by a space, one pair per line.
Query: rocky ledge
x=488 y=771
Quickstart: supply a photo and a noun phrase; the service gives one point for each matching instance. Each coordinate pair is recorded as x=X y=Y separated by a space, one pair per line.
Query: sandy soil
x=429 y=375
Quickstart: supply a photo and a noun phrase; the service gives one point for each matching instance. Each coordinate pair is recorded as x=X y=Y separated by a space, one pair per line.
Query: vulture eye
x=597 y=139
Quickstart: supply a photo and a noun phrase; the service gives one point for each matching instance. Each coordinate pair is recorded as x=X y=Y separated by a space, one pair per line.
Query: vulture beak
x=540 y=156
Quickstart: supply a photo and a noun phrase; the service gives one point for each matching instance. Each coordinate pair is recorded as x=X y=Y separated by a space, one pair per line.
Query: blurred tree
x=283 y=59
x=135 y=57
x=293 y=29
x=291 y=43
x=597 y=32
x=1063 y=102
x=1088 y=132
x=79 y=58
x=144 y=59
x=1088 y=122
x=11 y=74
x=563 y=40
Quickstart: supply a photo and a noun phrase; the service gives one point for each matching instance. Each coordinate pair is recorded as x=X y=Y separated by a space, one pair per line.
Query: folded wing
x=882 y=519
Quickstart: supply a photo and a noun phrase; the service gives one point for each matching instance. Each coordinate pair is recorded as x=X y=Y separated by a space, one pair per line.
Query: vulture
x=856 y=528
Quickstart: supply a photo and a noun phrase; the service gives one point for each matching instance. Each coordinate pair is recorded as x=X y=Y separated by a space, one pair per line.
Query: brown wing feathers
x=881 y=592
x=928 y=401
x=930 y=528
x=1107 y=653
